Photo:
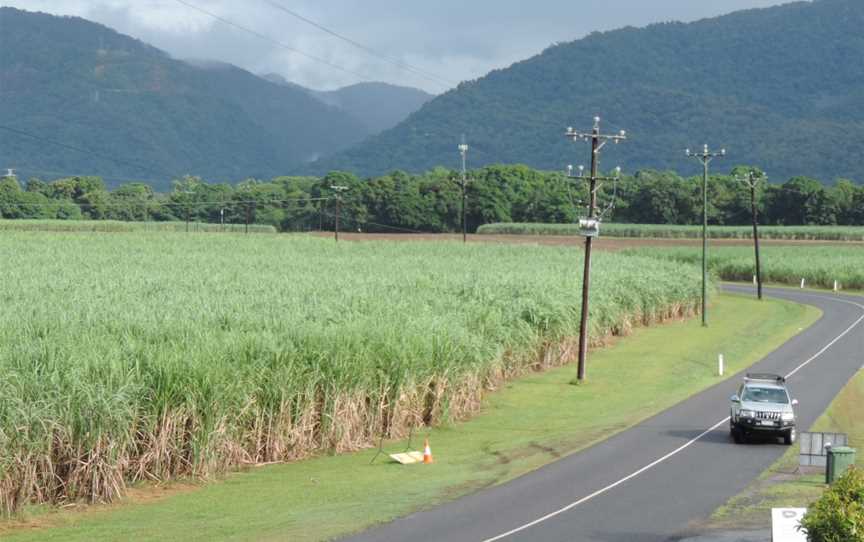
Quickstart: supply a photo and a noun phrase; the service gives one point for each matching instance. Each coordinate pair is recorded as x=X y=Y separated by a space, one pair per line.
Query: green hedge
x=819 y=266
x=661 y=231
x=838 y=516
x=120 y=226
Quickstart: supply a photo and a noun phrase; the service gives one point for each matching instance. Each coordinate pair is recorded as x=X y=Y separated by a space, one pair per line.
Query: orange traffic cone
x=427 y=454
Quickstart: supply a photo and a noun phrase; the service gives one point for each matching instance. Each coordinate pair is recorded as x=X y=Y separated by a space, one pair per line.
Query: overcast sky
x=453 y=39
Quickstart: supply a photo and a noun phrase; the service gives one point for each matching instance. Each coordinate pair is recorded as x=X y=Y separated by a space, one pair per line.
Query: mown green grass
x=664 y=231
x=528 y=423
x=783 y=485
x=819 y=266
x=116 y=226
x=150 y=356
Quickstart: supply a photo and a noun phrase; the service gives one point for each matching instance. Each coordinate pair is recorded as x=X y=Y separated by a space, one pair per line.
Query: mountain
x=379 y=106
x=143 y=115
x=782 y=88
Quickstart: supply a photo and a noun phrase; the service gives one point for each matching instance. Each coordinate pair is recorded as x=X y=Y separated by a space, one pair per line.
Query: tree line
x=431 y=202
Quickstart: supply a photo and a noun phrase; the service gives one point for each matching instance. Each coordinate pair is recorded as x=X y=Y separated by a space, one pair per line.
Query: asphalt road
x=652 y=482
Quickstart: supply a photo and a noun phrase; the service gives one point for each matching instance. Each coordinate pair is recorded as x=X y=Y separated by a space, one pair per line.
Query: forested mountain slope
x=144 y=115
x=782 y=88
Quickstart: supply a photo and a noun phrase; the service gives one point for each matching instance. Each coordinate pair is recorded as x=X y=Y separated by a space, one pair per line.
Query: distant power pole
x=463 y=150
x=251 y=210
x=706 y=157
x=752 y=180
x=591 y=225
x=339 y=191
x=187 y=196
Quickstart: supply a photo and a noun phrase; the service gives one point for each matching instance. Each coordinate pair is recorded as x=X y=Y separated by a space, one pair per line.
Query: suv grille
x=768 y=416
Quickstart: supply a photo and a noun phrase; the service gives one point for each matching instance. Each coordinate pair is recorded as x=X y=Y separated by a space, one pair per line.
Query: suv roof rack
x=769 y=377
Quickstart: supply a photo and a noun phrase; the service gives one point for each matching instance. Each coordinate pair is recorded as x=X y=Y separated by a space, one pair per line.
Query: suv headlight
x=788 y=416
x=747 y=414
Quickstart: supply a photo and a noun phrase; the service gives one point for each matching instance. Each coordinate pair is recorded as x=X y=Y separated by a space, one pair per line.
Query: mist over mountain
x=379 y=106
x=781 y=88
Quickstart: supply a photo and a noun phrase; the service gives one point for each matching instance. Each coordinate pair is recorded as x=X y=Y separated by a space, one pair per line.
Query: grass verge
x=783 y=485
x=530 y=423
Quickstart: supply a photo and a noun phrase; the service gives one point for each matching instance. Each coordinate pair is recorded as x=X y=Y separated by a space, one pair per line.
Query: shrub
x=838 y=516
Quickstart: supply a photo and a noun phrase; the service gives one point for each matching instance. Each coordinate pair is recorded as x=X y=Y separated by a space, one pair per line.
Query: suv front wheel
x=790 y=437
x=736 y=433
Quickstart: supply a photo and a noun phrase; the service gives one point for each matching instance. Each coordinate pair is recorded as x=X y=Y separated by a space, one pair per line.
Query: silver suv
x=762 y=406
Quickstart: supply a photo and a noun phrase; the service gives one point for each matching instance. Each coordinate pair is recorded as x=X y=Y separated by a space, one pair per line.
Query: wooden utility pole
x=752 y=179
x=590 y=225
x=706 y=157
x=339 y=190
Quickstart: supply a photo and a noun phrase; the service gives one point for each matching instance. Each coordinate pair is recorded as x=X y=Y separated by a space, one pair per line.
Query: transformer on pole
x=590 y=225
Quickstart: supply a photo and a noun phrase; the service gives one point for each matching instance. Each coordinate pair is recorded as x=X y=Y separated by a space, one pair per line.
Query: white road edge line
x=607 y=488
x=685 y=446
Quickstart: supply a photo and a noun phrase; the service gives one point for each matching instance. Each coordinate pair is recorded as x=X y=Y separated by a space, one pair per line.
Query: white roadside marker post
x=836 y=287
x=802 y=284
x=720 y=364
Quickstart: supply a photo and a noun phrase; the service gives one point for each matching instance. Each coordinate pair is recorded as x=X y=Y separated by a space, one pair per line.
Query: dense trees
x=431 y=202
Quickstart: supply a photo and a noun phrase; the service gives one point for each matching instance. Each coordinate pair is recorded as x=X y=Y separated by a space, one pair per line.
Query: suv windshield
x=765 y=395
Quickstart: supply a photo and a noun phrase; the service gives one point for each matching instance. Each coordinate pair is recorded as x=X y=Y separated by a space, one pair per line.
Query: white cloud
x=456 y=39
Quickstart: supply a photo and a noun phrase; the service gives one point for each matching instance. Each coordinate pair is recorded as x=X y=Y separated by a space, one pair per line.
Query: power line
x=163 y=203
x=271 y=40
x=370 y=223
x=66 y=175
x=87 y=151
x=120 y=161
x=395 y=61
x=128 y=163
x=248 y=202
